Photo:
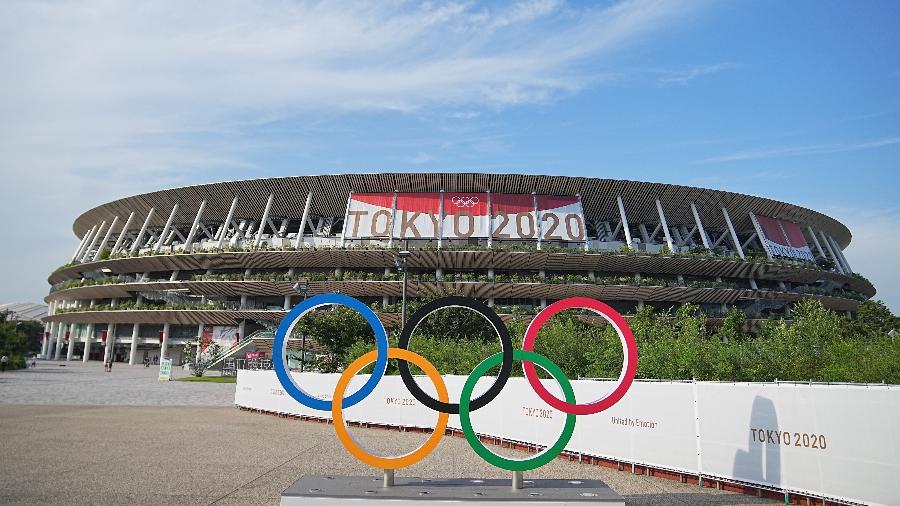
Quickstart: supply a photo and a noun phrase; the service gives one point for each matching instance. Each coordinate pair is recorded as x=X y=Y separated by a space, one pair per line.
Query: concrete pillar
x=135 y=332
x=87 y=342
x=110 y=342
x=244 y=301
x=287 y=302
x=87 y=251
x=136 y=245
x=265 y=219
x=223 y=230
x=640 y=304
x=165 y=230
x=60 y=333
x=199 y=340
x=70 y=352
x=700 y=228
x=624 y=218
x=665 y=226
x=164 y=347
x=242 y=329
x=105 y=240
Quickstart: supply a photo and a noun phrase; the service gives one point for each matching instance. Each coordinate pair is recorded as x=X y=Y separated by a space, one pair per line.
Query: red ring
x=624 y=331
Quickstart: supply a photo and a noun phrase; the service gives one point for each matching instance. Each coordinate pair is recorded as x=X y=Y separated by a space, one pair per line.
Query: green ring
x=491 y=457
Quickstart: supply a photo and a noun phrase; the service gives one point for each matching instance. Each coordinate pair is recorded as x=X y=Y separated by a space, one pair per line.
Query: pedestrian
x=33 y=361
x=109 y=365
x=3 y=361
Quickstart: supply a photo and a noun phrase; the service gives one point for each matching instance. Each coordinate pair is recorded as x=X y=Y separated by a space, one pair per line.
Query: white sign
x=836 y=441
x=165 y=369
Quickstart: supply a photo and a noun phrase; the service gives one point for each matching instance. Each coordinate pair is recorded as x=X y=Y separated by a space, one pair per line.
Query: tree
x=337 y=329
x=13 y=342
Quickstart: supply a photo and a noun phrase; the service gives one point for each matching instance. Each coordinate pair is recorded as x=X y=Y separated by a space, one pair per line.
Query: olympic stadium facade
x=224 y=262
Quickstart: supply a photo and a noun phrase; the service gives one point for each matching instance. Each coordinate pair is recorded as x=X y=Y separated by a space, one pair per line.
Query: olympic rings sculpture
x=466 y=404
x=459 y=201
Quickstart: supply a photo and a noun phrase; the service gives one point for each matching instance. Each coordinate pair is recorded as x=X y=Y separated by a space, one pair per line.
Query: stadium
x=224 y=262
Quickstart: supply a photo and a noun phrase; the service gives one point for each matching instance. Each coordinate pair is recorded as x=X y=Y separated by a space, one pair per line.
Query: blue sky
x=796 y=101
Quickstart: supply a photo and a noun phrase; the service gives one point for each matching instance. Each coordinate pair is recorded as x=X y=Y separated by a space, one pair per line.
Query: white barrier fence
x=840 y=442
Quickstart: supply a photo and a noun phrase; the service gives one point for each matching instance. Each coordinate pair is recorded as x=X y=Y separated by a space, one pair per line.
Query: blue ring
x=279 y=347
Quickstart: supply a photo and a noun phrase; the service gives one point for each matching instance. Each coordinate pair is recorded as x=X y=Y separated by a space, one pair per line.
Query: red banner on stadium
x=782 y=238
x=464 y=215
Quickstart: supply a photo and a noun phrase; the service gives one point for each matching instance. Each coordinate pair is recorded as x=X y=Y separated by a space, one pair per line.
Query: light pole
x=301 y=287
x=400 y=262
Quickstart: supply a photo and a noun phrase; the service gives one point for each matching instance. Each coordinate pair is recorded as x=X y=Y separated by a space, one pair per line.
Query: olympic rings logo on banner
x=464 y=201
x=466 y=404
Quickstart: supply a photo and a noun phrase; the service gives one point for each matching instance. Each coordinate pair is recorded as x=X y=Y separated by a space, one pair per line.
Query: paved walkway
x=79 y=384
x=176 y=449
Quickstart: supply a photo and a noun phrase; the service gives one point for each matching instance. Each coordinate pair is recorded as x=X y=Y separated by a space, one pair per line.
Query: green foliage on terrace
x=699 y=253
x=819 y=345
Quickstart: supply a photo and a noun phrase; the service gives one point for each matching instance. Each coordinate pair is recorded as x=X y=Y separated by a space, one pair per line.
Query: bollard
x=517 y=480
x=388 y=481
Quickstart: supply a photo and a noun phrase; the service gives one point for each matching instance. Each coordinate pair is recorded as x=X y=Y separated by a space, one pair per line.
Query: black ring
x=505 y=343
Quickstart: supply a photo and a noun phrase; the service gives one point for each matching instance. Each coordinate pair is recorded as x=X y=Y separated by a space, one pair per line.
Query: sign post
x=165 y=369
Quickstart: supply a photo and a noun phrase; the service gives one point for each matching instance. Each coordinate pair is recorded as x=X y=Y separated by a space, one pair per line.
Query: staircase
x=240 y=345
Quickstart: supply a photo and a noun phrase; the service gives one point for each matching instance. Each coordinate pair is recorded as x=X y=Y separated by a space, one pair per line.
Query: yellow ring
x=340 y=426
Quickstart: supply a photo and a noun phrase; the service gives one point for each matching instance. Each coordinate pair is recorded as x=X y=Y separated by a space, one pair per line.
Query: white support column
x=816 y=242
x=344 y=227
x=106 y=237
x=700 y=227
x=110 y=341
x=165 y=230
x=734 y=236
x=189 y=241
x=665 y=226
x=60 y=332
x=121 y=237
x=264 y=220
x=299 y=240
x=140 y=237
x=223 y=230
x=840 y=255
x=164 y=346
x=624 y=222
x=287 y=302
x=135 y=332
x=834 y=258
x=89 y=335
x=393 y=220
x=82 y=244
x=70 y=351
x=87 y=251
x=490 y=217
x=537 y=220
x=440 y=223
x=645 y=236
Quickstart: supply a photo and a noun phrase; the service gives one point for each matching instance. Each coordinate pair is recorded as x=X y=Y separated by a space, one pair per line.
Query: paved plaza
x=77 y=435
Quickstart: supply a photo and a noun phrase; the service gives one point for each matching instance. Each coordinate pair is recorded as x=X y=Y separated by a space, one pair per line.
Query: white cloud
x=804 y=150
x=105 y=99
x=684 y=76
x=873 y=250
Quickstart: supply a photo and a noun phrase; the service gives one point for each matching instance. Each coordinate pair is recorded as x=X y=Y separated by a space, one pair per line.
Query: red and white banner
x=464 y=215
x=782 y=238
x=561 y=218
x=417 y=216
x=370 y=215
x=514 y=216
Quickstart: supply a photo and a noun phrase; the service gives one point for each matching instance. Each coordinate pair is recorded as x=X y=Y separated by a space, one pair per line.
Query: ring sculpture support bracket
x=333 y=490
